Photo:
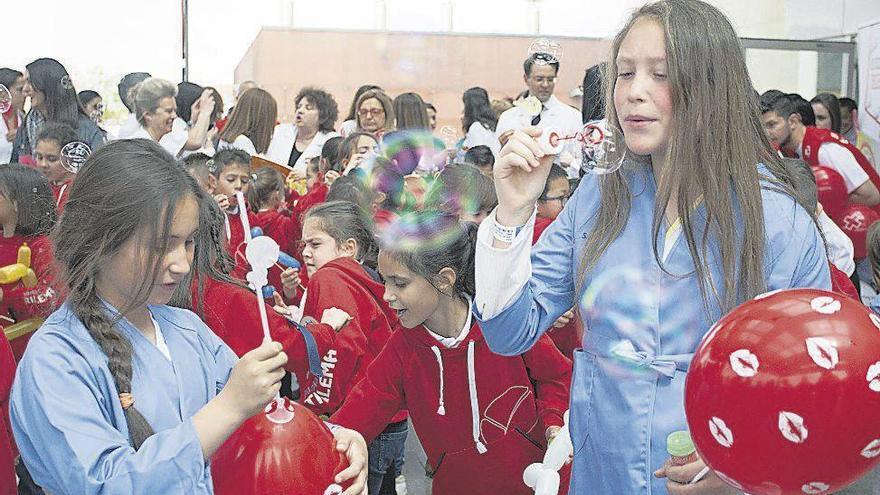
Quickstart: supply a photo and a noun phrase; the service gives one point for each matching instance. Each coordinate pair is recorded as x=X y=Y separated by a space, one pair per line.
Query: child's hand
x=678 y=480
x=565 y=319
x=290 y=282
x=550 y=434
x=352 y=444
x=335 y=317
x=281 y=307
x=330 y=177
x=255 y=380
x=222 y=200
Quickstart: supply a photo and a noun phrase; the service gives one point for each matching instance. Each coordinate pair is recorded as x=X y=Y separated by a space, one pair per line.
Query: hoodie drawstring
x=475 y=408
x=442 y=409
x=228 y=228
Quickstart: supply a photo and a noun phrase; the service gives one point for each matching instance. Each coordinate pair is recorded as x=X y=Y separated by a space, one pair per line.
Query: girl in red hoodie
x=27 y=215
x=230 y=173
x=481 y=417
x=337 y=249
x=47 y=153
x=230 y=309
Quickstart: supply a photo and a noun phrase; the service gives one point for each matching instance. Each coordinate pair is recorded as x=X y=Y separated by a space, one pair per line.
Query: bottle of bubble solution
x=681 y=448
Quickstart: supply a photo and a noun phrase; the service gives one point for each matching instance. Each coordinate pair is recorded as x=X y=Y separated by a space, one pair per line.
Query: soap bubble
x=545 y=51
x=5 y=99
x=74 y=155
x=602 y=147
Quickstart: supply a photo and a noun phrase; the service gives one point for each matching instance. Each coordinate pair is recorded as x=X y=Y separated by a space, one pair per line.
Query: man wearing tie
x=540 y=71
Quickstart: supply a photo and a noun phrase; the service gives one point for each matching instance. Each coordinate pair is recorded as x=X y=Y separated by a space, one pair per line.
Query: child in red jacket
x=27 y=215
x=337 y=249
x=481 y=417
x=47 y=153
x=229 y=172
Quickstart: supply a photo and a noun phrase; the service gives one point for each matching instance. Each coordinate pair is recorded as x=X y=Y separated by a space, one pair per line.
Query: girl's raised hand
x=336 y=318
x=255 y=380
x=290 y=282
x=520 y=173
x=678 y=480
x=222 y=200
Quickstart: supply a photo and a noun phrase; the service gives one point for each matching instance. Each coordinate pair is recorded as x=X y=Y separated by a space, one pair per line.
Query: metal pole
x=184 y=17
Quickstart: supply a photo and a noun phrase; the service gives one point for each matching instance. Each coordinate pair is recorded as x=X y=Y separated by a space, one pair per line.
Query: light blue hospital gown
x=70 y=427
x=627 y=393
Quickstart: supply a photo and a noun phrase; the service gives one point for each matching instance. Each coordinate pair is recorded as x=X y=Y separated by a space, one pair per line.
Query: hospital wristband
x=505 y=234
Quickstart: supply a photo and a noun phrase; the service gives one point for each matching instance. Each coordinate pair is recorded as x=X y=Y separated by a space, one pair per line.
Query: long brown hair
x=254 y=116
x=124 y=188
x=715 y=146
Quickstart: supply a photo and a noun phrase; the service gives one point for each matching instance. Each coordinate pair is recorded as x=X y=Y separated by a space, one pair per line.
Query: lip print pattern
x=721 y=432
x=823 y=352
x=871 y=450
x=815 y=487
x=825 y=305
x=792 y=427
x=744 y=363
x=873 y=377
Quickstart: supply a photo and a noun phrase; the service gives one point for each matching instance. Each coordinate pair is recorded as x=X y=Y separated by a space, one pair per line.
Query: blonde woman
x=156 y=112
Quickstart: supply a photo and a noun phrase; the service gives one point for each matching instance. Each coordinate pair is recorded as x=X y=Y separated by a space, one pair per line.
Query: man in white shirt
x=786 y=130
x=539 y=74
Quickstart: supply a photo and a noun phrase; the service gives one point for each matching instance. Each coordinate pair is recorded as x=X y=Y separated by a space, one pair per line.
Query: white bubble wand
x=262 y=253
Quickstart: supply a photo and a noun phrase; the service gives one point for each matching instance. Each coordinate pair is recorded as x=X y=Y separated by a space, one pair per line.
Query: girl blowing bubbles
x=700 y=214
x=481 y=417
x=117 y=392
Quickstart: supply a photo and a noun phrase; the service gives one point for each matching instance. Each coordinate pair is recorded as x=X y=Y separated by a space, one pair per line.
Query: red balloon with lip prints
x=267 y=458
x=783 y=393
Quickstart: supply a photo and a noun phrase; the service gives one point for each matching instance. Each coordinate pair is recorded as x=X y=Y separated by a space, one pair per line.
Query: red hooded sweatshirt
x=277 y=225
x=7 y=444
x=61 y=192
x=235 y=241
x=232 y=313
x=20 y=302
x=299 y=205
x=479 y=415
x=343 y=283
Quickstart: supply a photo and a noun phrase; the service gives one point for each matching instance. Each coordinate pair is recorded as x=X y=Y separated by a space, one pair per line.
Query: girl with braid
x=119 y=393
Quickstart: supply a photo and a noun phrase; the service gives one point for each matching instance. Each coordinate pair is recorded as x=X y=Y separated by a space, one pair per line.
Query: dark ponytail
x=428 y=241
x=343 y=220
x=124 y=187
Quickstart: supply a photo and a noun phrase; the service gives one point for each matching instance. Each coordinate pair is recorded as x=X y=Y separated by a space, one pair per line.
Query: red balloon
x=265 y=457
x=855 y=222
x=831 y=191
x=783 y=394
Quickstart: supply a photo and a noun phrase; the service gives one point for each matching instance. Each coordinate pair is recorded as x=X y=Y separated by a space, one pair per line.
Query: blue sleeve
x=795 y=253
x=549 y=292
x=64 y=415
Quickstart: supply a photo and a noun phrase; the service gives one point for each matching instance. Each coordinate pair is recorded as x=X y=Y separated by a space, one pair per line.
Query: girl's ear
x=212 y=183
x=349 y=247
x=445 y=281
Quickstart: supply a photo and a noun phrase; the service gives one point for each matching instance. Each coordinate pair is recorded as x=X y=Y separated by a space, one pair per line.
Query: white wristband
x=505 y=234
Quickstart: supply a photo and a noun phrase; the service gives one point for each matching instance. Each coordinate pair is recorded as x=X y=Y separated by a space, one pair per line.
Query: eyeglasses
x=561 y=199
x=375 y=112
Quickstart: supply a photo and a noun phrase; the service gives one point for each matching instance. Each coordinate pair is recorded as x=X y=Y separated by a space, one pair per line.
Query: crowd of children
x=151 y=351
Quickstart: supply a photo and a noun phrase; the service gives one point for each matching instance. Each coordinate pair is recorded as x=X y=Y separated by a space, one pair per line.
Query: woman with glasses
x=313 y=123
x=375 y=113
